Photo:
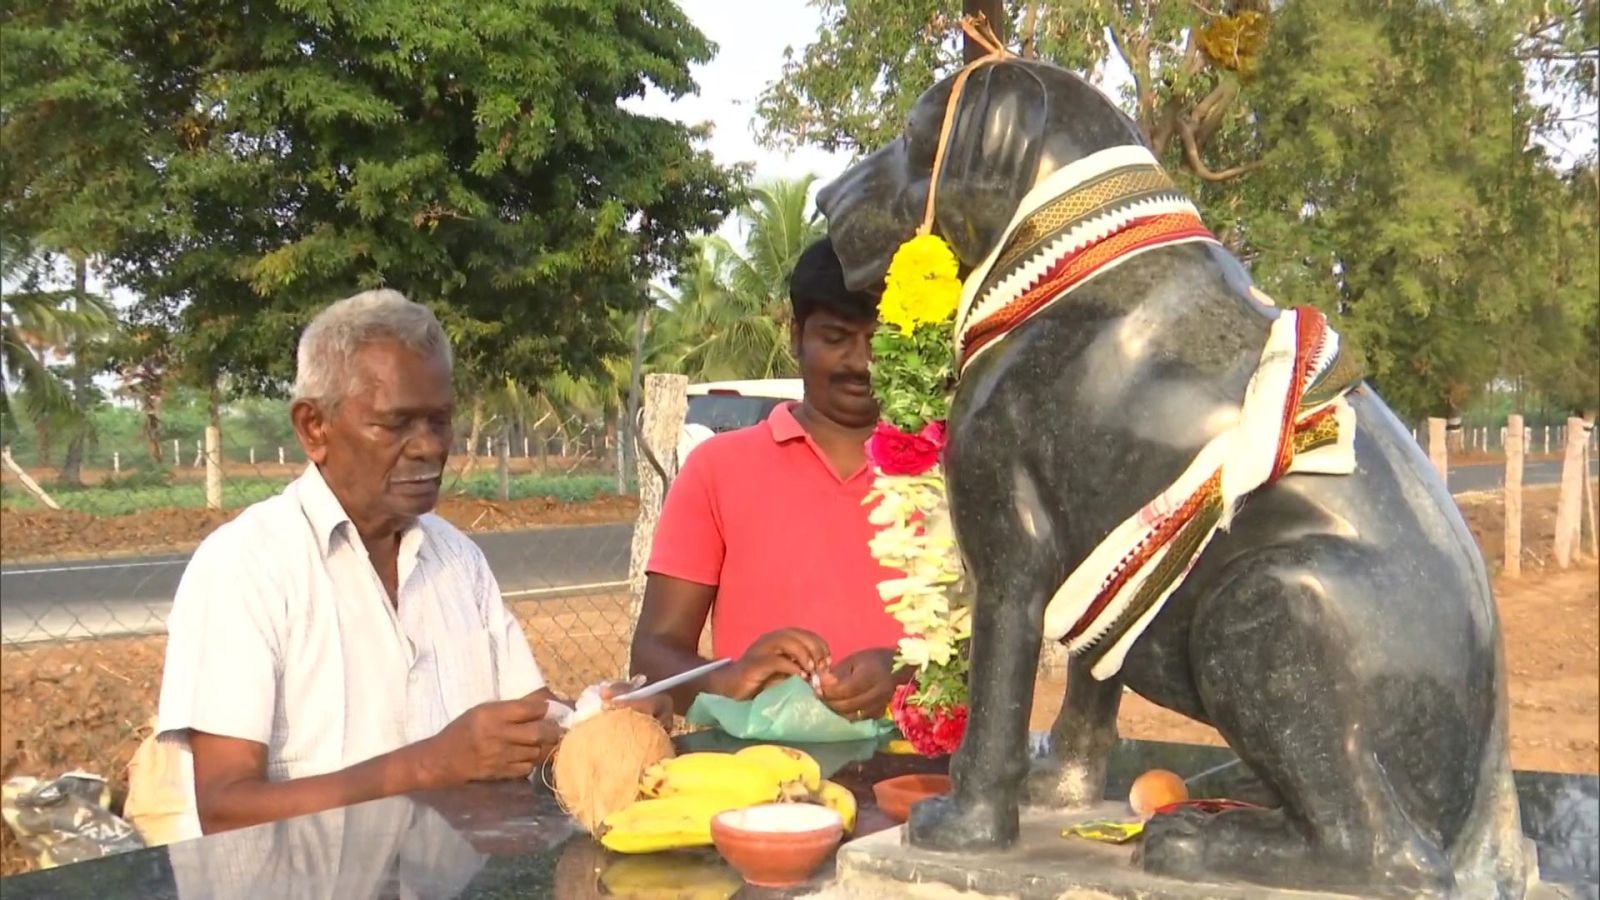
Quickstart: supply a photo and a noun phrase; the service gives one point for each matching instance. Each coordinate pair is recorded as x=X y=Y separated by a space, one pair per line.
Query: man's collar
x=323 y=510
x=326 y=514
x=785 y=427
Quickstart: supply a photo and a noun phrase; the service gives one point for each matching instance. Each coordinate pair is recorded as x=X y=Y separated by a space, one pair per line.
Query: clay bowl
x=896 y=796
x=777 y=845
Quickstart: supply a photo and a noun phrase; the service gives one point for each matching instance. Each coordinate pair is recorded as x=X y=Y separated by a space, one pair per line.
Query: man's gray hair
x=322 y=365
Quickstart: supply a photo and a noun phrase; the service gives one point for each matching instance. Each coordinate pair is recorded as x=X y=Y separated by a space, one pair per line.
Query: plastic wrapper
x=787 y=712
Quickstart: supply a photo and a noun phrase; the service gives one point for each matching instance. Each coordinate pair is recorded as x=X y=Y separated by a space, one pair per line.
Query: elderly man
x=337 y=643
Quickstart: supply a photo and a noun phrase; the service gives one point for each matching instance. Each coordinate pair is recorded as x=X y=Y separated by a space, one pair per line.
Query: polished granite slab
x=511 y=840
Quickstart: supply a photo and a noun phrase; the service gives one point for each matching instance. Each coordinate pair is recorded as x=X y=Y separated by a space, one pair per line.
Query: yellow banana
x=665 y=823
x=787 y=764
x=697 y=773
x=838 y=798
x=670 y=876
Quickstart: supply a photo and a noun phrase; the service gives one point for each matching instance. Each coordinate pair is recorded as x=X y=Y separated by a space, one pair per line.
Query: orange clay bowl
x=896 y=796
x=777 y=845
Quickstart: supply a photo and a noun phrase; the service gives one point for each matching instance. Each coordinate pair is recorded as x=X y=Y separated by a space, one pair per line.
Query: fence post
x=1436 y=449
x=213 y=467
x=1588 y=495
x=1547 y=439
x=116 y=462
x=525 y=453
x=666 y=402
x=280 y=456
x=252 y=455
x=177 y=453
x=1513 y=498
x=1569 y=515
x=199 y=453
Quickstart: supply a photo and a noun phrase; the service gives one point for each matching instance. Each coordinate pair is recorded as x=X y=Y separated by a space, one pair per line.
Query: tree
x=852 y=88
x=474 y=156
x=36 y=323
x=730 y=313
x=1405 y=197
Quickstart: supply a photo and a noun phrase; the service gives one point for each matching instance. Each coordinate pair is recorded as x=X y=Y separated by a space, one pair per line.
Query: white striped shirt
x=281 y=633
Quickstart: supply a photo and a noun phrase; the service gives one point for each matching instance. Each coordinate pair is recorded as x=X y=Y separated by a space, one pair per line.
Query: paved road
x=99 y=598
x=83 y=598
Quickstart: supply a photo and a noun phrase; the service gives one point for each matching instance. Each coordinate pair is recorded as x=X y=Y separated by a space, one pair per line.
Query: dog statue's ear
x=1018 y=122
x=991 y=158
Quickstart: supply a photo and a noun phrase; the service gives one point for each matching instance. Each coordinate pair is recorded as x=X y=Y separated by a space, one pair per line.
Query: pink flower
x=894 y=452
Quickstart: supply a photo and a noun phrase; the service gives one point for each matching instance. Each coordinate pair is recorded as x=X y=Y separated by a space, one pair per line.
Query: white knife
x=667 y=684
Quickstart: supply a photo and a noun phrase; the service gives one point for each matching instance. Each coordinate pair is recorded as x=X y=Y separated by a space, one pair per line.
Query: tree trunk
x=995 y=12
x=152 y=428
x=214 y=448
x=42 y=440
x=630 y=424
x=503 y=445
x=72 y=466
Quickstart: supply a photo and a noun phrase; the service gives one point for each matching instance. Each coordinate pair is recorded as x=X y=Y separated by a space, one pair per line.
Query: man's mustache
x=852 y=378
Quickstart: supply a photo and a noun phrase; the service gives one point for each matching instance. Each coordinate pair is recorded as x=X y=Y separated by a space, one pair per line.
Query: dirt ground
x=37 y=534
x=85 y=704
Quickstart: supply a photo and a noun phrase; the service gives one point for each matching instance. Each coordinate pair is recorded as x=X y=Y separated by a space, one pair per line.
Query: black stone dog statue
x=1340 y=633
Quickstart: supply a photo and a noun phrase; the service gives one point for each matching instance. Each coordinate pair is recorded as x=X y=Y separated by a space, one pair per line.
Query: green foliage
x=912 y=375
x=240 y=165
x=1403 y=194
x=1380 y=160
x=142 y=491
x=730 y=314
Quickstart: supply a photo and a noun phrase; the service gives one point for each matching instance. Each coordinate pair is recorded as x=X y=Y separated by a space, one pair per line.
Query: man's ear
x=311 y=423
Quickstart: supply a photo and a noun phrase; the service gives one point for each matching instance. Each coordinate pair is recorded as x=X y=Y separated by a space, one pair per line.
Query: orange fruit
x=1155 y=789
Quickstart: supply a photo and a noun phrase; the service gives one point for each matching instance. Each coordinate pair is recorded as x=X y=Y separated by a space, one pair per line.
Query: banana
x=664 y=823
x=787 y=764
x=699 y=773
x=671 y=876
x=838 y=798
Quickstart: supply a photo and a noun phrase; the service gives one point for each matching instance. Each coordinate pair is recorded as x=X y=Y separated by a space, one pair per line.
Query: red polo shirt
x=761 y=514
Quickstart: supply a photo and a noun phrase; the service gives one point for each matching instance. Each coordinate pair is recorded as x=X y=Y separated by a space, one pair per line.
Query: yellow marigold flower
x=923 y=285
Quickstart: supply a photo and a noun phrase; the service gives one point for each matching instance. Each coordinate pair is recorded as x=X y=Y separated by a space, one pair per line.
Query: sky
x=749 y=57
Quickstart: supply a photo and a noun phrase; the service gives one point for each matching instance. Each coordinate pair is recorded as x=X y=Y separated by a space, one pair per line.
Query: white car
x=719 y=406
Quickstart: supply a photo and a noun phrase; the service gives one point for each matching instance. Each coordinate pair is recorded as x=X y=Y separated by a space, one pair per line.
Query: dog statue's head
x=1016 y=122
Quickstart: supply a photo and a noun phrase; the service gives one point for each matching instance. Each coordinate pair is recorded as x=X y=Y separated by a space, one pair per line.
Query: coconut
x=598 y=764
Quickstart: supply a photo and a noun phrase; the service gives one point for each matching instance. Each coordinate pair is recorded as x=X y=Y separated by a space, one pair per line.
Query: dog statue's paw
x=1058 y=785
x=945 y=823
x=1173 y=845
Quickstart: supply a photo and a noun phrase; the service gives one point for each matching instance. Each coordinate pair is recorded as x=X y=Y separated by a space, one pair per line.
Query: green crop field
x=117 y=497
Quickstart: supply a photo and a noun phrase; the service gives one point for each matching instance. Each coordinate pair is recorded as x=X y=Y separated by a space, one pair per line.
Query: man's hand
x=774 y=656
x=861 y=685
x=491 y=741
x=658 y=707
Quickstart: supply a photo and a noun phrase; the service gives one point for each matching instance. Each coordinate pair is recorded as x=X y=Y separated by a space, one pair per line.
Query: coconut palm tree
x=36 y=322
x=729 y=315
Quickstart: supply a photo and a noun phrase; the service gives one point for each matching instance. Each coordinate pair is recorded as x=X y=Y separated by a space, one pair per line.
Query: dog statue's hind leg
x=1072 y=775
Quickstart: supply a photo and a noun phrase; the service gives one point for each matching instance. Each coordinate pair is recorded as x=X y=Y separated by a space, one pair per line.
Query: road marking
x=94 y=567
x=563 y=589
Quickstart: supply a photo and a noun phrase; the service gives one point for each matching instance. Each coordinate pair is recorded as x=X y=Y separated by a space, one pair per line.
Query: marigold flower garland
x=913 y=369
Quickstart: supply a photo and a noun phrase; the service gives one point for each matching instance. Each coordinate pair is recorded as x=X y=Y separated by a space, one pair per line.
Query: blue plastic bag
x=787 y=712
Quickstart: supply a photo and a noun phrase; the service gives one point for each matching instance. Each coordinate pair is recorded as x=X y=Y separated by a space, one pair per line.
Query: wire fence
x=85 y=589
